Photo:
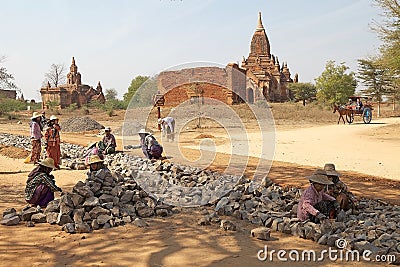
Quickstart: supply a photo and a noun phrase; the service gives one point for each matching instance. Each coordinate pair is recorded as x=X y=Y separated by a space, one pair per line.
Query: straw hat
x=143 y=131
x=160 y=121
x=331 y=170
x=107 y=129
x=91 y=144
x=53 y=117
x=35 y=115
x=95 y=159
x=319 y=176
x=48 y=162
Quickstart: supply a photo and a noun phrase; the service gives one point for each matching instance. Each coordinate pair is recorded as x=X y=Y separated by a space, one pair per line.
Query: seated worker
x=314 y=203
x=40 y=186
x=96 y=163
x=108 y=144
x=338 y=189
x=150 y=147
x=168 y=127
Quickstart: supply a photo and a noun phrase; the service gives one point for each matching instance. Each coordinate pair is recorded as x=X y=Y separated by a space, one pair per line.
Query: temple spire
x=259 y=25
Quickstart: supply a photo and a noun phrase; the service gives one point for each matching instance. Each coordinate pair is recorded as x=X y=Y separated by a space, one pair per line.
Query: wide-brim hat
x=53 y=117
x=331 y=170
x=92 y=144
x=160 y=121
x=143 y=131
x=35 y=115
x=107 y=129
x=47 y=162
x=320 y=177
x=95 y=159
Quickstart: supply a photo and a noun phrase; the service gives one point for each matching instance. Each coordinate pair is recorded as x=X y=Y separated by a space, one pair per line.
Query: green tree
x=111 y=94
x=334 y=85
x=376 y=78
x=303 y=91
x=135 y=85
x=6 y=79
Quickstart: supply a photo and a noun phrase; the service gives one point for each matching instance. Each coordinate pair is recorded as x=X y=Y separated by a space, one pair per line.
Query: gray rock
x=127 y=219
x=10 y=215
x=323 y=240
x=91 y=202
x=145 y=212
x=78 y=216
x=63 y=219
x=95 y=225
x=53 y=206
x=221 y=204
x=103 y=219
x=227 y=225
x=11 y=221
x=27 y=214
x=76 y=199
x=83 y=190
x=9 y=211
x=140 y=222
x=262 y=233
x=30 y=224
x=82 y=228
x=38 y=218
x=52 y=217
x=97 y=211
x=332 y=240
x=162 y=212
x=365 y=245
x=104 y=198
x=204 y=221
x=69 y=228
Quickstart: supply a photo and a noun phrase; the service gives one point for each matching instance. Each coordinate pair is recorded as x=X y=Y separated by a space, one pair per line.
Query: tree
x=56 y=75
x=111 y=94
x=303 y=91
x=389 y=33
x=375 y=77
x=334 y=85
x=6 y=79
x=135 y=85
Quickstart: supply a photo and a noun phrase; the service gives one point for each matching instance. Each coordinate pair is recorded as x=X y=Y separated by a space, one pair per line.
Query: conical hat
x=320 y=177
x=48 y=162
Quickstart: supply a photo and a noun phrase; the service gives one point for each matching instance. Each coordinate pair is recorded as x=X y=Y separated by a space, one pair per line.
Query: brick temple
x=260 y=76
x=72 y=92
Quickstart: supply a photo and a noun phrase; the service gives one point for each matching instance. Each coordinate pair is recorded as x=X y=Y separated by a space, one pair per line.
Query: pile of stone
x=140 y=188
x=104 y=200
x=80 y=124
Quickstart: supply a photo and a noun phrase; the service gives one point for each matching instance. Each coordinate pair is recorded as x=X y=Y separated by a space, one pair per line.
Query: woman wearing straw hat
x=52 y=139
x=150 y=147
x=40 y=186
x=36 y=136
x=96 y=163
x=314 y=204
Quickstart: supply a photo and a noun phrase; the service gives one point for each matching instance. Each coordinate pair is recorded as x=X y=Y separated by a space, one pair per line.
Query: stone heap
x=139 y=187
x=104 y=200
x=80 y=124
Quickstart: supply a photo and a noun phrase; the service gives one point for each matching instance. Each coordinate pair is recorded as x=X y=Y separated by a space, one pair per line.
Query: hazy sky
x=114 y=41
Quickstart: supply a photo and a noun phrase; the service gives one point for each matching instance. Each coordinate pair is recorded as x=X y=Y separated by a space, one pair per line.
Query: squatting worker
x=150 y=147
x=108 y=144
x=314 y=203
x=40 y=186
x=36 y=136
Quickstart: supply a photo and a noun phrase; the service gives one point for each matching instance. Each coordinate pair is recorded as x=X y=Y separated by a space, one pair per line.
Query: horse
x=342 y=112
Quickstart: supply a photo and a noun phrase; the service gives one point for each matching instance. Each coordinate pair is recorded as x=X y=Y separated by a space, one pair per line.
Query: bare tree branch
x=56 y=74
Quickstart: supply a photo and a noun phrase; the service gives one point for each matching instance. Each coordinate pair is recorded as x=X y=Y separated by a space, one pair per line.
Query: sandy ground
x=178 y=240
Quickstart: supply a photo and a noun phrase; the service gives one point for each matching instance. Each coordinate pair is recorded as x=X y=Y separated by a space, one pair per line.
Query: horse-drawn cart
x=357 y=108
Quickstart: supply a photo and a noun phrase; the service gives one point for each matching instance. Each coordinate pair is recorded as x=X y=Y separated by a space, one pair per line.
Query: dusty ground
x=177 y=240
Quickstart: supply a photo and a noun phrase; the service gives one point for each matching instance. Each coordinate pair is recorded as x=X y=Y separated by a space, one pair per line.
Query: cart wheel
x=367 y=115
x=350 y=117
